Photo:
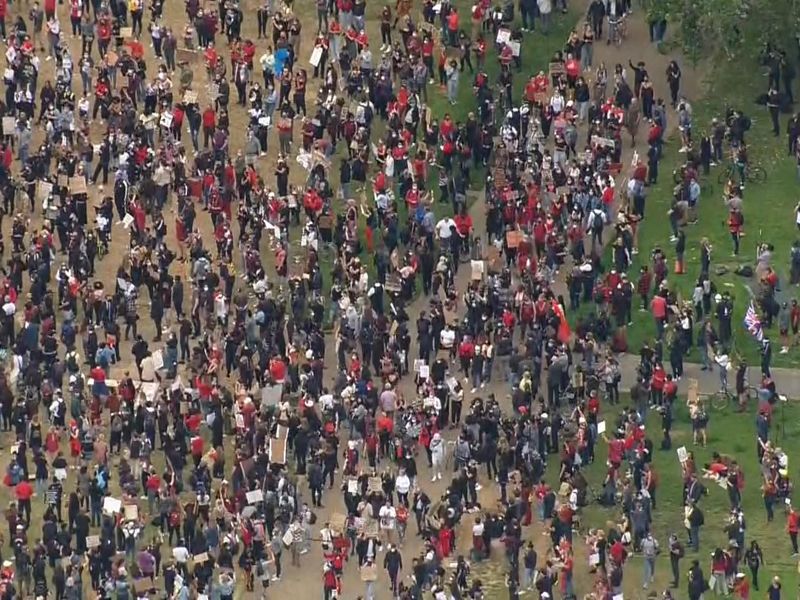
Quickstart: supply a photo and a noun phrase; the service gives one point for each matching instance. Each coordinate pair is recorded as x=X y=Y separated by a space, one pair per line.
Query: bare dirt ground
x=306 y=581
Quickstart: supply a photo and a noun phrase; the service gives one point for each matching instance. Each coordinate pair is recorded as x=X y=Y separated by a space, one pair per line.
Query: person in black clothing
x=754 y=559
x=54 y=492
x=315 y=482
x=674 y=81
x=774 y=591
x=393 y=563
x=766 y=357
x=676 y=552
x=697 y=581
x=774 y=106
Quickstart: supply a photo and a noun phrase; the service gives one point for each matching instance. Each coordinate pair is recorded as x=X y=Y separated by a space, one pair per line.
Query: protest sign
x=111 y=506
x=254 y=496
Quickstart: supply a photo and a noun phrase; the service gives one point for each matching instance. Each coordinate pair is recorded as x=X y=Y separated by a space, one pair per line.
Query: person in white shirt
x=402 y=485
x=444 y=229
x=437 y=455
x=221 y=310
x=180 y=554
x=388 y=518
x=447 y=337
x=724 y=362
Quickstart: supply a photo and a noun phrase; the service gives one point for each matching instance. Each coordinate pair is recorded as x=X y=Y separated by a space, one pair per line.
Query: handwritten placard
x=77 y=185
x=111 y=506
x=9 y=125
x=254 y=496
x=43 y=190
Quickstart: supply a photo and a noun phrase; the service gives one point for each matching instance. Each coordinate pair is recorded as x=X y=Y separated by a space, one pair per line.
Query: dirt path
x=306 y=581
x=636 y=47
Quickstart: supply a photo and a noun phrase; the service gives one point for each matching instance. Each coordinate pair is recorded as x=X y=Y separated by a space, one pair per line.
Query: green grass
x=730 y=433
x=537 y=49
x=768 y=208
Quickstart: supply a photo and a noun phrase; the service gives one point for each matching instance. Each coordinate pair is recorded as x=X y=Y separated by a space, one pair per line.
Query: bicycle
x=750 y=174
x=617 y=30
x=722 y=398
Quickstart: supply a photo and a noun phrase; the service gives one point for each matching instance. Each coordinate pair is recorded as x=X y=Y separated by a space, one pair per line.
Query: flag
x=752 y=323
x=564 y=332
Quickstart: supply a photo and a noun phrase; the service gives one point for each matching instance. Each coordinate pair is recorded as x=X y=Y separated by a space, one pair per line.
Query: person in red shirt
x=658 y=308
x=452 y=27
x=657 y=382
x=741 y=587
x=196 y=445
x=466 y=352
x=153 y=485
x=615 y=450
x=209 y=124
x=24 y=491
x=792 y=527
x=618 y=552
x=735 y=224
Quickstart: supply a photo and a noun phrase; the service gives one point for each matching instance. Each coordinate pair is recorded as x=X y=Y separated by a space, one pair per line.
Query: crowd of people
x=289 y=358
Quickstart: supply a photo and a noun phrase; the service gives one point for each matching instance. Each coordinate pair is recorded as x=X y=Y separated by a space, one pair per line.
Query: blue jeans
x=528 y=581
x=649 y=570
x=694 y=533
x=545 y=17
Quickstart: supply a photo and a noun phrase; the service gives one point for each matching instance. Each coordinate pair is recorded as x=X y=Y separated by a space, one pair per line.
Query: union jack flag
x=753 y=323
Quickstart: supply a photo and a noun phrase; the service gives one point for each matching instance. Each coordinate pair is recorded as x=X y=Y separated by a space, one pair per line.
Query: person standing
x=754 y=559
x=674 y=81
x=774 y=591
x=697 y=581
x=452 y=73
x=774 y=106
x=649 y=546
x=529 y=560
x=393 y=563
x=792 y=527
x=676 y=552
x=766 y=357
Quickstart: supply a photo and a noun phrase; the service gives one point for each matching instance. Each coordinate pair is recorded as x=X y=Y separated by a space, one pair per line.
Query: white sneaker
x=473 y=390
x=784 y=350
x=433 y=478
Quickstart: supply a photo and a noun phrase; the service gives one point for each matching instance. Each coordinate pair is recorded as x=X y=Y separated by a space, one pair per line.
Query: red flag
x=564 y=332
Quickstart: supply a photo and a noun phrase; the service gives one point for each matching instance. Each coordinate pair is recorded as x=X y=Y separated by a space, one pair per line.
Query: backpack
x=597 y=220
x=681 y=551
